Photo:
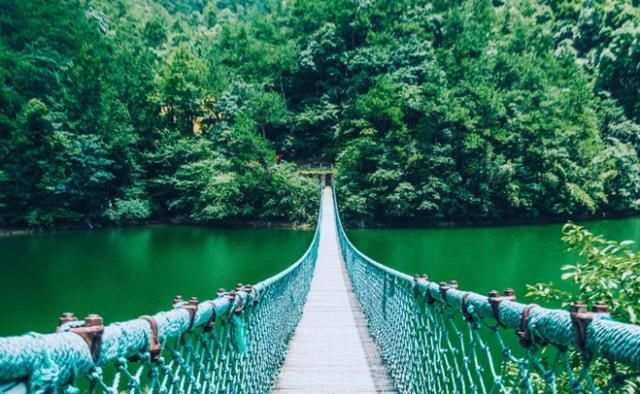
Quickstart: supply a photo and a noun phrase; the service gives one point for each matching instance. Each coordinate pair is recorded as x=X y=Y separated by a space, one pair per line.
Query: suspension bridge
x=334 y=321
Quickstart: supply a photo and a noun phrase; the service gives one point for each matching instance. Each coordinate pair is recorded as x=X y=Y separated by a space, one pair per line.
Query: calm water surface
x=484 y=258
x=125 y=273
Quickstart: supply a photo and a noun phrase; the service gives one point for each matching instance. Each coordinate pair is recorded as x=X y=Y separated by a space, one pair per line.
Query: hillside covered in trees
x=468 y=110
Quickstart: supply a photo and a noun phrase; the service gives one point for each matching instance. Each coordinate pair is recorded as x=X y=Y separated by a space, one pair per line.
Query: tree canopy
x=466 y=110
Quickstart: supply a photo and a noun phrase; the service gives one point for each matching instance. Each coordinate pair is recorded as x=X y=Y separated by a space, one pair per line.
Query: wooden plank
x=331 y=350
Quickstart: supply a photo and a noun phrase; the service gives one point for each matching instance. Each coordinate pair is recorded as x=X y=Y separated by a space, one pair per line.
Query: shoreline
x=18 y=231
x=354 y=225
x=350 y=225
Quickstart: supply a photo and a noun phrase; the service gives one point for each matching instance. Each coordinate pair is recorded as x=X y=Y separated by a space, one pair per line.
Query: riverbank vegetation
x=606 y=271
x=471 y=110
x=124 y=111
x=481 y=111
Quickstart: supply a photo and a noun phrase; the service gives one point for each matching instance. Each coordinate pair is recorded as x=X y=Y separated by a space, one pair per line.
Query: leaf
x=633 y=318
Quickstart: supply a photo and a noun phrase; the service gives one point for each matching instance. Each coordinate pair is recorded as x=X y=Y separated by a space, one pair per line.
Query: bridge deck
x=331 y=351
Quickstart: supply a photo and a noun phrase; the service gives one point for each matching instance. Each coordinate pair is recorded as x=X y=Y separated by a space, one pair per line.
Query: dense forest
x=464 y=110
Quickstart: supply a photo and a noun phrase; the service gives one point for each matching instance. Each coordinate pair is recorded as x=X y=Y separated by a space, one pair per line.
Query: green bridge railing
x=436 y=338
x=234 y=343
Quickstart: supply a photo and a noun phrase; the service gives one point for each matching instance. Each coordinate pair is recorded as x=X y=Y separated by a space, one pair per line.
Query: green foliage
x=178 y=89
x=607 y=271
x=473 y=110
x=289 y=195
x=122 y=111
x=128 y=210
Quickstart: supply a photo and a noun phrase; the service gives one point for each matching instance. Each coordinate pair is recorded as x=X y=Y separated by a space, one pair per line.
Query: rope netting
x=435 y=338
x=235 y=343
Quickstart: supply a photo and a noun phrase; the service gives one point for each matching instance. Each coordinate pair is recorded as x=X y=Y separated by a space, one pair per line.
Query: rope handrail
x=233 y=343
x=451 y=338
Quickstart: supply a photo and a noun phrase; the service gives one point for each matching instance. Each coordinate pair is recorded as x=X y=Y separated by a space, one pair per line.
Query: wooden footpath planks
x=331 y=350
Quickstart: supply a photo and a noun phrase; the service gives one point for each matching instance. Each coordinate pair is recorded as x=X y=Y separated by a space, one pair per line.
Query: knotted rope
x=438 y=339
x=234 y=343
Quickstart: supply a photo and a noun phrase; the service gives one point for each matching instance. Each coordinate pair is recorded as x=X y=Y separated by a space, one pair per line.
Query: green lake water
x=124 y=273
x=484 y=258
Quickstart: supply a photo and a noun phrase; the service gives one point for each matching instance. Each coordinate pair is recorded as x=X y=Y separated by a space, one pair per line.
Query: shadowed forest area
x=469 y=110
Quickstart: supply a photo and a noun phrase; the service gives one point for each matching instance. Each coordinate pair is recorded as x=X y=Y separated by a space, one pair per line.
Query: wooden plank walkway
x=331 y=350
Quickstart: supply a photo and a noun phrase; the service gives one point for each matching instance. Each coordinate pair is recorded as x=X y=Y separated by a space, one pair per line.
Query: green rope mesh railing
x=233 y=344
x=435 y=338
